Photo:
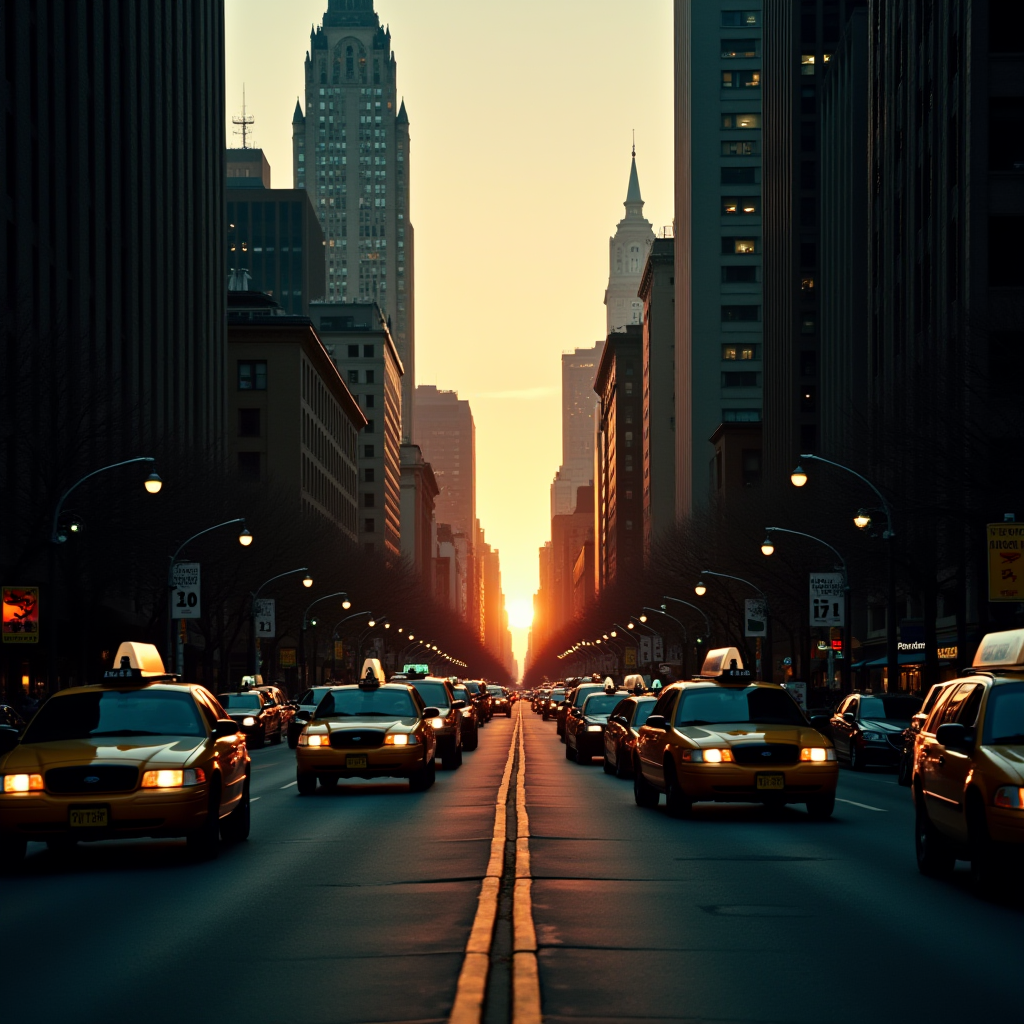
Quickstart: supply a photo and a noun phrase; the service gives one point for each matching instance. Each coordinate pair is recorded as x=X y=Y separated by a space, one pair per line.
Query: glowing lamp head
x=245 y=538
x=153 y=483
x=862 y=520
x=307 y=581
x=643 y=618
x=372 y=623
x=798 y=477
x=701 y=589
x=767 y=547
x=629 y=625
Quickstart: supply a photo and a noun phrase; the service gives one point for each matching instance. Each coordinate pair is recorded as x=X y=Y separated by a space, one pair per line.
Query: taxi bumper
x=1006 y=826
x=745 y=784
x=144 y=812
x=361 y=762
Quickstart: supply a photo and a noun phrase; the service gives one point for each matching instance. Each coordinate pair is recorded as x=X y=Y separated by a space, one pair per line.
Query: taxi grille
x=93 y=778
x=355 y=739
x=766 y=753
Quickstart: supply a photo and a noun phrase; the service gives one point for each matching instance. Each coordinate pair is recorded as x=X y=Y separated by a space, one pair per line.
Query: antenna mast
x=244 y=123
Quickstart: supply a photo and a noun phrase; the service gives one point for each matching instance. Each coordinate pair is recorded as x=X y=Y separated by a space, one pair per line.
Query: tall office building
x=363 y=203
x=718 y=243
x=627 y=253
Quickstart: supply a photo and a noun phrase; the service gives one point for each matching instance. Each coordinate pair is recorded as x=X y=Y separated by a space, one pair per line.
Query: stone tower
x=350 y=152
x=627 y=254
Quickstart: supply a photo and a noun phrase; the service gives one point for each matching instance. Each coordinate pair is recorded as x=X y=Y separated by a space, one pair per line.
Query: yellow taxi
x=725 y=737
x=368 y=731
x=968 y=772
x=139 y=755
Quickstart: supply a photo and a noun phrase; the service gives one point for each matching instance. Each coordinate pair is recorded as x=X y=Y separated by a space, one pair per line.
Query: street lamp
x=684 y=635
x=695 y=607
x=798 y=476
x=153 y=483
x=768 y=547
x=307 y=581
x=767 y=613
x=302 y=628
x=862 y=520
x=335 y=636
x=244 y=538
x=701 y=589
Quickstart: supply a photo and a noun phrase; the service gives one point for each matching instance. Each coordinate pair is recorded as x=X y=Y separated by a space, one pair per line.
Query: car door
x=842 y=730
x=230 y=750
x=651 y=743
x=949 y=767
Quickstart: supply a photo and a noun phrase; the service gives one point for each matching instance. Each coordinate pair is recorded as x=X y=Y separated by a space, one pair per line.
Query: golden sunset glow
x=520 y=612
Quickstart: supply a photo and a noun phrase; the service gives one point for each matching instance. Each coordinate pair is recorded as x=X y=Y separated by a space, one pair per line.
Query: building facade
x=273 y=235
x=627 y=253
x=718 y=236
x=357 y=338
x=618 y=455
x=350 y=152
x=419 y=492
x=578 y=405
x=294 y=423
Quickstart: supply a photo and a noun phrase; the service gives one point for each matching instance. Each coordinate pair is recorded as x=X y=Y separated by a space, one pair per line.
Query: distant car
x=12 y=725
x=867 y=729
x=482 y=700
x=470 y=719
x=255 y=714
x=549 y=706
x=285 y=706
x=538 y=700
x=584 y=728
x=500 y=703
x=572 y=700
x=305 y=706
x=917 y=721
x=447 y=722
x=620 y=733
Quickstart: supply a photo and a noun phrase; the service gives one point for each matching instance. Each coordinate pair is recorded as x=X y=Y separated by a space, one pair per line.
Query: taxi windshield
x=240 y=701
x=367 y=703
x=1004 y=719
x=461 y=693
x=585 y=691
x=643 y=709
x=435 y=695
x=601 y=704
x=84 y=716
x=715 y=706
x=899 y=709
x=497 y=691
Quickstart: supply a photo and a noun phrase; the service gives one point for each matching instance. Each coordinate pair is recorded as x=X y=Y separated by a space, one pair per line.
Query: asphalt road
x=355 y=907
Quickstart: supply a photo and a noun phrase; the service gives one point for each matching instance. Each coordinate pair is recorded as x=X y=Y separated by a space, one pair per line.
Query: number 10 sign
x=185 y=591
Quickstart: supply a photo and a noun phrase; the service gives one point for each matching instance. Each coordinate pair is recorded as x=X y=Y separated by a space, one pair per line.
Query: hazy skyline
x=521 y=118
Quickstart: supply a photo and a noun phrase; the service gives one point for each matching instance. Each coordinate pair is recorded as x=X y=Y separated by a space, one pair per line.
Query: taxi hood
x=733 y=734
x=148 y=751
x=365 y=722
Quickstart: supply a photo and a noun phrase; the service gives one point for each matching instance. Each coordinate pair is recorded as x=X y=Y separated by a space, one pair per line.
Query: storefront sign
x=1006 y=561
x=755 y=617
x=21 y=615
x=286 y=657
x=946 y=653
x=630 y=657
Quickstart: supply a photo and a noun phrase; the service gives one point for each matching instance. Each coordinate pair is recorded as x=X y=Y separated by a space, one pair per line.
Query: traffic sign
x=1006 y=561
x=658 y=646
x=645 y=650
x=185 y=591
x=827 y=599
x=755 y=617
x=265 y=615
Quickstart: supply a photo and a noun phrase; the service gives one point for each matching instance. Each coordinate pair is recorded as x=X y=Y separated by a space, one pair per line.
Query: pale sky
x=521 y=114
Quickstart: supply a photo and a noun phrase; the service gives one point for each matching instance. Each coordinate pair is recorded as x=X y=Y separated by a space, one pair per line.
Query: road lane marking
x=471 y=989
x=525 y=974
x=290 y=784
x=253 y=799
x=854 y=803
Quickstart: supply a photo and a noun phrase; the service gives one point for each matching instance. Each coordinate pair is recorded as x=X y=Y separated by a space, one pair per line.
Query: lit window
x=733 y=121
x=807 y=64
x=741 y=79
x=807 y=284
x=739 y=246
x=745 y=48
x=741 y=206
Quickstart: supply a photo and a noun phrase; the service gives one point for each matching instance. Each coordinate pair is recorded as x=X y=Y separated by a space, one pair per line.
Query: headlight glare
x=315 y=739
x=717 y=756
x=23 y=783
x=1011 y=797
x=437 y=723
x=593 y=728
x=817 y=754
x=396 y=739
x=163 y=778
x=248 y=720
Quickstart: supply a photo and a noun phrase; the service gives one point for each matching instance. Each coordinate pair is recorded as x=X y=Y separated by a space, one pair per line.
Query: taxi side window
x=209 y=712
x=664 y=705
x=968 y=714
x=307 y=698
x=953 y=707
x=622 y=708
x=935 y=719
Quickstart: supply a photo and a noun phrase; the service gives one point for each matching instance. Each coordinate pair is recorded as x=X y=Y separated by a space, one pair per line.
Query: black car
x=868 y=728
x=482 y=700
x=470 y=718
x=500 y=703
x=620 y=734
x=584 y=726
x=447 y=724
x=256 y=715
x=549 y=705
x=12 y=725
x=305 y=705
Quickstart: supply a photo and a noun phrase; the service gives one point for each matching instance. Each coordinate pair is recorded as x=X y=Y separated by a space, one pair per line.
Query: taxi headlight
x=23 y=783
x=1011 y=797
x=593 y=728
x=248 y=720
x=713 y=755
x=400 y=739
x=437 y=723
x=172 y=778
x=817 y=754
x=315 y=739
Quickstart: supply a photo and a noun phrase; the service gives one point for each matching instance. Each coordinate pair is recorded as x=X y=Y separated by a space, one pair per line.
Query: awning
x=904 y=659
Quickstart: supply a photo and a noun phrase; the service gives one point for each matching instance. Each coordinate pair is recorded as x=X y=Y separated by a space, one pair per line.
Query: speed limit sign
x=185 y=591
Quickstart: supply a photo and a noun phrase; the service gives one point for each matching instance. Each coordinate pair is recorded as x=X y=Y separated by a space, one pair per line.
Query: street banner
x=755 y=617
x=185 y=591
x=658 y=644
x=286 y=657
x=339 y=650
x=1005 y=562
x=827 y=599
x=21 y=615
x=265 y=614
x=645 y=650
x=630 y=657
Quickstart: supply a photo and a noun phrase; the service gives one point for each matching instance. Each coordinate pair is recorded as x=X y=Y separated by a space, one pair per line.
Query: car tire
x=469 y=742
x=452 y=757
x=903 y=774
x=293 y=739
x=570 y=754
x=935 y=856
x=623 y=766
x=508 y=714
x=328 y=782
x=306 y=782
x=856 y=759
x=821 y=807
x=12 y=853
x=676 y=800
x=609 y=768
x=235 y=827
x=985 y=866
x=278 y=736
x=204 y=842
x=422 y=779
x=644 y=793
x=581 y=758
x=258 y=742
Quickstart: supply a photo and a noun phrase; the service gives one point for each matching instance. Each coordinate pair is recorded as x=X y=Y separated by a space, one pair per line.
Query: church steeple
x=633 y=197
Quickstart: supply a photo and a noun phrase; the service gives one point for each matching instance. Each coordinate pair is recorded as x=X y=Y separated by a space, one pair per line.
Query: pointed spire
x=403 y=117
x=633 y=191
x=297 y=117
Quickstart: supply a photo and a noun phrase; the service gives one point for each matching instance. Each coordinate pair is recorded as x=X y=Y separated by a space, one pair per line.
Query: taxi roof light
x=137 y=662
x=1001 y=650
x=372 y=674
x=725 y=663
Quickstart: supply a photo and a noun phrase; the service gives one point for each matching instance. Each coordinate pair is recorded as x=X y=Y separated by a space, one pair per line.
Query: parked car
x=906 y=767
x=255 y=714
x=584 y=726
x=304 y=708
x=868 y=728
x=620 y=734
x=470 y=723
x=968 y=776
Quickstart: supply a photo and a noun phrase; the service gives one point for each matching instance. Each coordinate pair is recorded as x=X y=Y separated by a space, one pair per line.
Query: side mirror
x=953 y=735
x=431 y=712
x=459 y=704
x=849 y=716
x=302 y=717
x=9 y=739
x=656 y=722
x=224 y=727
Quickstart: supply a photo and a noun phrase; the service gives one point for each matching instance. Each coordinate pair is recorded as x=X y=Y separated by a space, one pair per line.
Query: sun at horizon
x=520 y=612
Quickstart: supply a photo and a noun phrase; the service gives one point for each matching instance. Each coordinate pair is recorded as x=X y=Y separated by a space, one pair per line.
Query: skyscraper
x=362 y=202
x=579 y=368
x=627 y=254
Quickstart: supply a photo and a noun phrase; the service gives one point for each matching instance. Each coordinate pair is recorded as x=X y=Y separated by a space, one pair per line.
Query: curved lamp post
x=696 y=608
x=862 y=520
x=307 y=582
x=346 y=604
x=334 y=636
x=701 y=589
x=244 y=538
x=685 y=636
x=768 y=548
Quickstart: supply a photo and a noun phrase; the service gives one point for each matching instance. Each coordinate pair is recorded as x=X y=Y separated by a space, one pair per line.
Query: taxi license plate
x=771 y=781
x=88 y=817
x=355 y=761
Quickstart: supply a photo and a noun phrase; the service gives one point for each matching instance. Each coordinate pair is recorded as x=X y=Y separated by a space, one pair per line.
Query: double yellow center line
x=472 y=987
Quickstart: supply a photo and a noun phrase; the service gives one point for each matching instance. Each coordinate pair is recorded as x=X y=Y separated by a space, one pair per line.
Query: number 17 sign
x=185 y=591
x=828 y=599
